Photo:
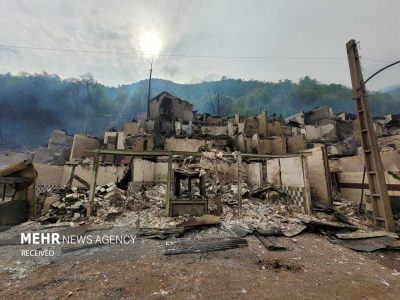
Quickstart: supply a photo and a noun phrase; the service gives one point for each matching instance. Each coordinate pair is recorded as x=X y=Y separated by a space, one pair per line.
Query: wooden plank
x=239 y=183
x=168 y=195
x=365 y=235
x=95 y=170
x=307 y=189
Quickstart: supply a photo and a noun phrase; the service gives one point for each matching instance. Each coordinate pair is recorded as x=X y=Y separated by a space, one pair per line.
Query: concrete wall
x=275 y=128
x=318 y=173
x=251 y=126
x=319 y=113
x=274 y=171
x=161 y=171
x=143 y=170
x=262 y=124
x=241 y=142
x=254 y=174
x=43 y=155
x=254 y=143
x=49 y=174
x=285 y=171
x=328 y=129
x=265 y=146
x=312 y=132
x=350 y=172
x=298 y=117
x=80 y=145
x=336 y=149
x=217 y=144
x=214 y=130
x=131 y=128
x=222 y=171
x=135 y=143
x=173 y=144
x=280 y=145
x=292 y=171
x=232 y=129
x=59 y=175
x=166 y=105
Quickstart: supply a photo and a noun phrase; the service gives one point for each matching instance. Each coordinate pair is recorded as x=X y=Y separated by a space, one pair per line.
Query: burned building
x=165 y=109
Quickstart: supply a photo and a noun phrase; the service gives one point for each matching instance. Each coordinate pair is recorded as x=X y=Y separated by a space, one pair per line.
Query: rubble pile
x=264 y=209
x=149 y=210
x=63 y=205
x=68 y=204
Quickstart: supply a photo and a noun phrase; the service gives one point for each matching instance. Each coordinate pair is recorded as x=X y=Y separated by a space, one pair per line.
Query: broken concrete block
x=76 y=216
x=273 y=196
x=112 y=213
x=110 y=189
x=48 y=203
x=109 y=195
x=76 y=206
x=131 y=129
x=56 y=204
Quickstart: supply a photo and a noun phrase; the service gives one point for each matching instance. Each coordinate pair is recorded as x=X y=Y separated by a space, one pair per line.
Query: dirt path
x=315 y=269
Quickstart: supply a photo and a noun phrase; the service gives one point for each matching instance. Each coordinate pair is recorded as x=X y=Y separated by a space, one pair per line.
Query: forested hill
x=31 y=106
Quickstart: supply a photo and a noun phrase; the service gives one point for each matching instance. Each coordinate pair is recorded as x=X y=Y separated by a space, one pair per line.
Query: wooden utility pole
x=382 y=211
x=239 y=182
x=169 y=179
x=92 y=190
x=218 y=105
x=149 y=92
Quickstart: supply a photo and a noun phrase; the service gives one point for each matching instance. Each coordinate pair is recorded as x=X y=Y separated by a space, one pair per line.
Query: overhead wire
x=134 y=53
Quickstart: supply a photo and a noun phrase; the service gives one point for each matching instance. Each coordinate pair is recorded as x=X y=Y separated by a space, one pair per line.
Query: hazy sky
x=251 y=28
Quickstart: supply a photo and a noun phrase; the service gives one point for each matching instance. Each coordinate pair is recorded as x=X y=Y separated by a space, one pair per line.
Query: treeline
x=32 y=105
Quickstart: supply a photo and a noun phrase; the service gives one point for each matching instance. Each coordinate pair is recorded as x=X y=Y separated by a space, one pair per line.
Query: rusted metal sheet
x=205 y=220
x=368 y=244
x=273 y=243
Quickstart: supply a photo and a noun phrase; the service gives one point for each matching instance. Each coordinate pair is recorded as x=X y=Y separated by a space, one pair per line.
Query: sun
x=150 y=43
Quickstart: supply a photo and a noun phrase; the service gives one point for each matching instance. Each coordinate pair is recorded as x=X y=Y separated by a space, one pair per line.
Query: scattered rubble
x=272 y=221
x=70 y=204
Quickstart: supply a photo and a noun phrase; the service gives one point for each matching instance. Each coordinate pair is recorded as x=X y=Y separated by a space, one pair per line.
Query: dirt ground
x=314 y=269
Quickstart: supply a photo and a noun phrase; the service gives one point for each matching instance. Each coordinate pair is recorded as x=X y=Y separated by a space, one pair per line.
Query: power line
x=133 y=53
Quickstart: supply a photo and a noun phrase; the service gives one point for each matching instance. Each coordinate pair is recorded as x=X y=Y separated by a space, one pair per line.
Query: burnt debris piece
x=204 y=246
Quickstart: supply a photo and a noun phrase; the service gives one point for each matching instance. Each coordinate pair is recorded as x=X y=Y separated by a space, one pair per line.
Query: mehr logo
x=52 y=238
x=40 y=238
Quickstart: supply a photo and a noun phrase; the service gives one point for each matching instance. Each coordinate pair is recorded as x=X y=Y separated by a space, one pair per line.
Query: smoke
x=31 y=106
